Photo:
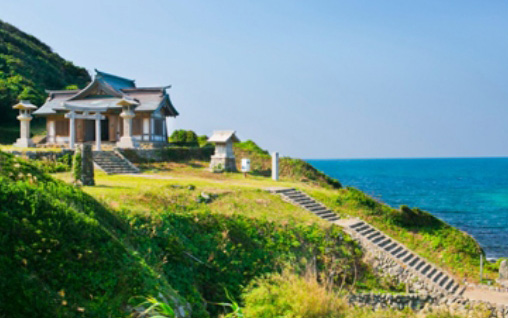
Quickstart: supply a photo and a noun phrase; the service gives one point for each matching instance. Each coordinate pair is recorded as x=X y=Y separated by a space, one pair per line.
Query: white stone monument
x=224 y=157
x=275 y=166
x=25 y=111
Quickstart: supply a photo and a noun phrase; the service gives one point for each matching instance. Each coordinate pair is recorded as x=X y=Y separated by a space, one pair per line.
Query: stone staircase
x=299 y=198
x=424 y=269
x=374 y=239
x=112 y=162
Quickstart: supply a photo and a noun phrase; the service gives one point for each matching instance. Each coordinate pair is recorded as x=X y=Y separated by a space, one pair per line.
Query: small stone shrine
x=224 y=157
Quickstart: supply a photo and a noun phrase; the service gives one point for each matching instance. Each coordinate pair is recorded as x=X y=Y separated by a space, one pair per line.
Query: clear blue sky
x=313 y=79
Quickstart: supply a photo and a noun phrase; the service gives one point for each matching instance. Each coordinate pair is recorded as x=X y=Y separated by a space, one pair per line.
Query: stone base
x=24 y=143
x=223 y=164
x=502 y=282
x=127 y=142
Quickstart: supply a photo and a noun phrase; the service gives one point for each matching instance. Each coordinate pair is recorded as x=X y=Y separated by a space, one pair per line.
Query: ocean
x=468 y=193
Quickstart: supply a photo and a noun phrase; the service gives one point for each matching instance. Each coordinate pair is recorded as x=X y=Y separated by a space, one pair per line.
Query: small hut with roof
x=224 y=157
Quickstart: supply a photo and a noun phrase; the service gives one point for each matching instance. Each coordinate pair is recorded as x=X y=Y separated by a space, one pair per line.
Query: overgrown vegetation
x=184 y=138
x=60 y=252
x=68 y=255
x=27 y=68
x=293 y=295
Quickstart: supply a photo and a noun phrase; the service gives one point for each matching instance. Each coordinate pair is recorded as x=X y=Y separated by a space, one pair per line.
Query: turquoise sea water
x=469 y=193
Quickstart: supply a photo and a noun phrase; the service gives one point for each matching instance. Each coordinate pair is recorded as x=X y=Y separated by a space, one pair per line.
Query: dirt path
x=499 y=298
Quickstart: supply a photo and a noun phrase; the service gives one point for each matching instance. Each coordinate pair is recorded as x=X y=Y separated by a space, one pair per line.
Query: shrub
x=184 y=138
x=251 y=146
x=291 y=296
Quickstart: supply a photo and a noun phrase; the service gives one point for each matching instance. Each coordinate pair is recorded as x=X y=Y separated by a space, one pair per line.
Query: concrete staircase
x=424 y=269
x=375 y=239
x=299 y=198
x=112 y=162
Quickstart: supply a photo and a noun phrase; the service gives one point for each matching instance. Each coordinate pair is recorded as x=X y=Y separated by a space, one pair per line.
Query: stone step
x=408 y=258
x=450 y=285
x=313 y=206
x=322 y=212
x=419 y=266
x=443 y=281
x=363 y=228
x=113 y=163
x=401 y=254
x=432 y=273
x=373 y=235
x=328 y=216
x=284 y=191
x=391 y=246
x=367 y=231
x=296 y=196
x=438 y=277
x=384 y=242
x=414 y=262
x=397 y=250
x=356 y=225
x=378 y=239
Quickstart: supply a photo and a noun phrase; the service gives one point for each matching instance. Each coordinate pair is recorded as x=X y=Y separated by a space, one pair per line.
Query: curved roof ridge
x=112 y=75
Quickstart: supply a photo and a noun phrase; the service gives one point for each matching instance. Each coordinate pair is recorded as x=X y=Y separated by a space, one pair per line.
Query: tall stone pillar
x=126 y=141
x=25 y=108
x=87 y=173
x=275 y=166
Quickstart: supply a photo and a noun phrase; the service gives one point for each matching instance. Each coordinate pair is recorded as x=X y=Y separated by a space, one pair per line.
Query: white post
x=275 y=166
x=72 y=133
x=98 y=131
x=481 y=268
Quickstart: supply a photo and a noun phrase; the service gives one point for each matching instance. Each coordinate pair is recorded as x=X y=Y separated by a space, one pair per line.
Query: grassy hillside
x=185 y=234
x=27 y=68
x=68 y=254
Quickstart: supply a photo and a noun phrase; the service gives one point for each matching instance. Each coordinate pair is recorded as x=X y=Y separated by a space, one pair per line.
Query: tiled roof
x=106 y=90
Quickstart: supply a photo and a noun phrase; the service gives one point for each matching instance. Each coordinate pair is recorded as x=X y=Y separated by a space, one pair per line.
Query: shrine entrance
x=89 y=115
x=90 y=130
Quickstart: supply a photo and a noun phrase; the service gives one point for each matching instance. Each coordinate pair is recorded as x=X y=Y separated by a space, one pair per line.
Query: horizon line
x=409 y=158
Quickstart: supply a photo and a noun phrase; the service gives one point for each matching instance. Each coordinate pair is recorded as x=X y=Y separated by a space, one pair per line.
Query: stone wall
x=168 y=154
x=385 y=265
x=41 y=155
x=427 y=303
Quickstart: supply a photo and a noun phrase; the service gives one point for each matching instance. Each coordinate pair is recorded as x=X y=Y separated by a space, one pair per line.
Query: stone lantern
x=128 y=104
x=224 y=157
x=25 y=116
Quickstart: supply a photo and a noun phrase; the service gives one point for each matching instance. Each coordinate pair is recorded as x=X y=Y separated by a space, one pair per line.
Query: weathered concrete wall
x=168 y=154
x=427 y=303
x=41 y=155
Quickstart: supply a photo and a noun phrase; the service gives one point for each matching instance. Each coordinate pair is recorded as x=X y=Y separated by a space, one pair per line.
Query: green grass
x=60 y=250
x=67 y=250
